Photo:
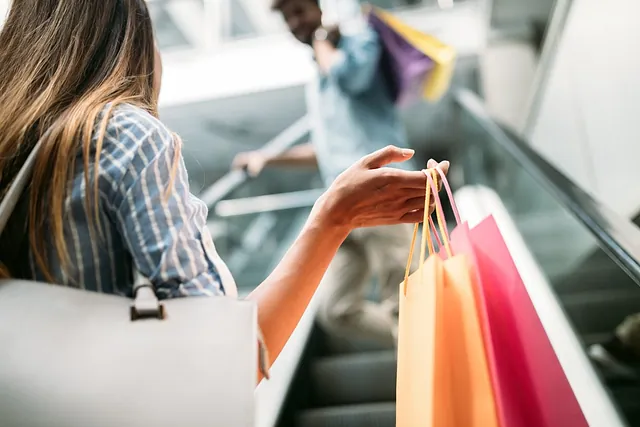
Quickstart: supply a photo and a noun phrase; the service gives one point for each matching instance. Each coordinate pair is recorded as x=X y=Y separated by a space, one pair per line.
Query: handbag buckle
x=146 y=305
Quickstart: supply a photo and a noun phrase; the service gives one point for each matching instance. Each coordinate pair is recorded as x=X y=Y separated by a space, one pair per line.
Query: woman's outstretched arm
x=364 y=195
x=284 y=296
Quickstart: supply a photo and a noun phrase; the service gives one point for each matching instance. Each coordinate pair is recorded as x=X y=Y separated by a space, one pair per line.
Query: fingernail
x=407 y=152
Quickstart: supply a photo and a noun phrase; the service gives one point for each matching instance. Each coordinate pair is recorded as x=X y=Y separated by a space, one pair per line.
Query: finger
x=435 y=176
x=444 y=166
x=400 y=195
x=414 y=203
x=399 y=178
x=253 y=170
x=413 y=217
x=389 y=154
x=237 y=162
x=239 y=166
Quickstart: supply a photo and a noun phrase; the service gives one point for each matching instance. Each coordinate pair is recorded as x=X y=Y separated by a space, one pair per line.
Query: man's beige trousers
x=345 y=310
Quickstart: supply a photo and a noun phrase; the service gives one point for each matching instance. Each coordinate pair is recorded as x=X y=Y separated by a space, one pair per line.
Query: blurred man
x=357 y=117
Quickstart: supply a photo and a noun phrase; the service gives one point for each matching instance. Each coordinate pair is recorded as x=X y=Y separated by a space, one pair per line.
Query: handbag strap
x=12 y=196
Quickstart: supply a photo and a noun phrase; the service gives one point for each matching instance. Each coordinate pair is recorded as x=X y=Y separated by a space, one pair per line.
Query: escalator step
x=355 y=378
x=367 y=415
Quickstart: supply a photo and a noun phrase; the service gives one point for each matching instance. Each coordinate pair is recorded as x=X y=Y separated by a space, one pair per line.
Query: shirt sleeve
x=163 y=225
x=358 y=61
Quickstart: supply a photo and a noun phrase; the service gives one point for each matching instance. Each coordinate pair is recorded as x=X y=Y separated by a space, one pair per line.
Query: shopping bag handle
x=431 y=179
x=452 y=201
x=429 y=226
x=439 y=211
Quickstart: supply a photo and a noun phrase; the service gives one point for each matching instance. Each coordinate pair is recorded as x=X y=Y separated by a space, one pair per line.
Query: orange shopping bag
x=443 y=376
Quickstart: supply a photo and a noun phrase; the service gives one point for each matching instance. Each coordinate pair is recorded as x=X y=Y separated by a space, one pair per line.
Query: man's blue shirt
x=357 y=114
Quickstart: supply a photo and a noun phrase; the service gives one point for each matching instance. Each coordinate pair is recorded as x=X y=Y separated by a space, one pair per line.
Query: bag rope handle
x=426 y=241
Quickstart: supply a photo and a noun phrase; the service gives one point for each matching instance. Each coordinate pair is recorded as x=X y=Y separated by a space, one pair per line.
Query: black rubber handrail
x=617 y=236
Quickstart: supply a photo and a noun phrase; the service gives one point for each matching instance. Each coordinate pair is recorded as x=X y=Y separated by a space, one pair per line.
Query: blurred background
x=234 y=78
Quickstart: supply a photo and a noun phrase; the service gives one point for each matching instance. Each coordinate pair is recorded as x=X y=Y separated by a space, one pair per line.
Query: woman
x=110 y=190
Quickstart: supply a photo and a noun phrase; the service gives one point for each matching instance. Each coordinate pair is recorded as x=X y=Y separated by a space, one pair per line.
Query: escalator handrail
x=617 y=236
x=268 y=203
x=235 y=178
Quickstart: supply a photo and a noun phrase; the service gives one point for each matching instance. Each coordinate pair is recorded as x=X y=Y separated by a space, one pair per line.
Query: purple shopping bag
x=405 y=67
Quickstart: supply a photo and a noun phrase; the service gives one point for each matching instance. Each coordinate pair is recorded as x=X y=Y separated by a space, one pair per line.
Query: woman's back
x=109 y=191
x=145 y=216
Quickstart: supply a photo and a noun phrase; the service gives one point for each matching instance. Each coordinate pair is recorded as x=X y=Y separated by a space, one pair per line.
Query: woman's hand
x=364 y=195
x=367 y=194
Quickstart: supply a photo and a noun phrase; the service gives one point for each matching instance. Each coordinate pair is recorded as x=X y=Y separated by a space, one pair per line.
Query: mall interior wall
x=585 y=117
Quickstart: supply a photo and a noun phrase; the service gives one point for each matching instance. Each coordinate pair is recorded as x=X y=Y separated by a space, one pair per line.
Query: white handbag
x=73 y=358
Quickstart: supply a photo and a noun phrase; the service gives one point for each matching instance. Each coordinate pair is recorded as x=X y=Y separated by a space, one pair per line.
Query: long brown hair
x=61 y=63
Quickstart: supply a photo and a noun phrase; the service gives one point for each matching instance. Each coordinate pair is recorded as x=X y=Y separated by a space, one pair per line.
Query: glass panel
x=252 y=245
x=596 y=294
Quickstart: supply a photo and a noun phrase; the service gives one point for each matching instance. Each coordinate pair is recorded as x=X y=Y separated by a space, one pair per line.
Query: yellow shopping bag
x=443 y=56
x=443 y=377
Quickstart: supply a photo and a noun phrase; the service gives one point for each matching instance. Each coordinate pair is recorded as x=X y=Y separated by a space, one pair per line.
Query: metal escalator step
x=367 y=415
x=354 y=378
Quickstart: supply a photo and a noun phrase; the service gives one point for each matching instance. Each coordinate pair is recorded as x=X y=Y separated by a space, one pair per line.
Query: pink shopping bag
x=530 y=386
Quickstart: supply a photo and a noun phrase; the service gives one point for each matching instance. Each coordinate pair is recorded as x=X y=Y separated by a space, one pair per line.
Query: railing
x=618 y=236
x=267 y=203
x=588 y=254
x=234 y=179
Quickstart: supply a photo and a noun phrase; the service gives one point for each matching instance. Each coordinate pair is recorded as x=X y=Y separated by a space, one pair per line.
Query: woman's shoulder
x=131 y=130
x=132 y=139
x=130 y=122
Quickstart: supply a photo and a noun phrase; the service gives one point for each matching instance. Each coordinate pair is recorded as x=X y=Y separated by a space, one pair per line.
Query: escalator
x=588 y=260
x=589 y=257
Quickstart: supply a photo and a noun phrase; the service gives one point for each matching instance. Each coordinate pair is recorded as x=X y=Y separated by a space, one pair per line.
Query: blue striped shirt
x=165 y=238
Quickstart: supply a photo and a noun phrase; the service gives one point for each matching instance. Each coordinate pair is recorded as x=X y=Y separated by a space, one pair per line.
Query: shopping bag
x=405 y=67
x=416 y=64
x=442 y=378
x=531 y=389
